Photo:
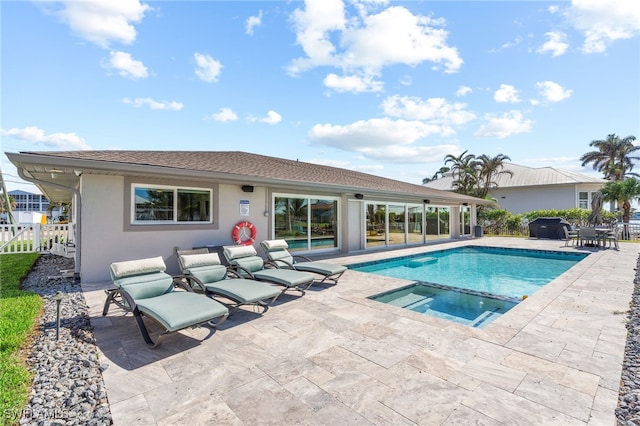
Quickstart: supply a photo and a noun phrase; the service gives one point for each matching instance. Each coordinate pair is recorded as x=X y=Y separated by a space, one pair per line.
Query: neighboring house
x=29 y=202
x=135 y=204
x=536 y=188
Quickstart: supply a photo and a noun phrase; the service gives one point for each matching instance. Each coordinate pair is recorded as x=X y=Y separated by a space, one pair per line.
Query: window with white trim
x=153 y=204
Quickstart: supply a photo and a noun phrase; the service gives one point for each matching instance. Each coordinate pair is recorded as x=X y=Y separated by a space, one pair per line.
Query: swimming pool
x=470 y=285
x=500 y=271
x=462 y=306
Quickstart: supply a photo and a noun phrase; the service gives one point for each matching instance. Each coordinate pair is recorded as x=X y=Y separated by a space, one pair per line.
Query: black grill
x=548 y=227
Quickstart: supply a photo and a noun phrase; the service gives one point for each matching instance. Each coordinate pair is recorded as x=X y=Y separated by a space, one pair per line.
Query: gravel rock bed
x=68 y=388
x=628 y=411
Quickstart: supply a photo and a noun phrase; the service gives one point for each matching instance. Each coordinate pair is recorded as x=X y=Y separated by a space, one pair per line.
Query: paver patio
x=333 y=356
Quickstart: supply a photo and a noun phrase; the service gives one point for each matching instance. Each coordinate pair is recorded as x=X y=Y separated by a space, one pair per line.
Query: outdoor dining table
x=600 y=234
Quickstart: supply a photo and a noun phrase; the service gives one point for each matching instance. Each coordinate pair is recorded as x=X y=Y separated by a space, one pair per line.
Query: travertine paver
x=334 y=356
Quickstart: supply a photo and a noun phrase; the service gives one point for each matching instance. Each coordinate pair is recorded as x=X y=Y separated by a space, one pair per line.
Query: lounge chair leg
x=111 y=294
x=218 y=323
x=143 y=330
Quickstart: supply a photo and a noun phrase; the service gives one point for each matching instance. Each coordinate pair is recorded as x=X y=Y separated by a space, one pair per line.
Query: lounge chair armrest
x=129 y=301
x=193 y=284
x=182 y=282
x=232 y=273
x=305 y=258
x=272 y=264
x=237 y=268
x=282 y=264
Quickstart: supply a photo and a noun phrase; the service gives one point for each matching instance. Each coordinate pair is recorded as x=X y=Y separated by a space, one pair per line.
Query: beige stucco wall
x=108 y=236
x=104 y=239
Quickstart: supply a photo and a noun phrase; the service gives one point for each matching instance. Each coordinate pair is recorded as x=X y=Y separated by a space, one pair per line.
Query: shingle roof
x=245 y=165
x=526 y=176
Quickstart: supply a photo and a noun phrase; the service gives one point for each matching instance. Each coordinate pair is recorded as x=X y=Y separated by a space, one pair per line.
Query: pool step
x=416 y=263
x=420 y=304
x=486 y=315
x=410 y=299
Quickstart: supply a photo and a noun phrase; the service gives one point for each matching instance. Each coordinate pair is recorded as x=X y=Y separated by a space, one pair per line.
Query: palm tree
x=436 y=175
x=12 y=203
x=490 y=168
x=613 y=157
x=626 y=190
x=464 y=169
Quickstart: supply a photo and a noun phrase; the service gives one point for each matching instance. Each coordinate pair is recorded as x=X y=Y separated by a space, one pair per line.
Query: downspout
x=78 y=207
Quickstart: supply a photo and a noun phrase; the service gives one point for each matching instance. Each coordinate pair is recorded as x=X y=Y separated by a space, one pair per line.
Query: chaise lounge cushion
x=278 y=250
x=246 y=257
x=285 y=277
x=208 y=269
x=181 y=310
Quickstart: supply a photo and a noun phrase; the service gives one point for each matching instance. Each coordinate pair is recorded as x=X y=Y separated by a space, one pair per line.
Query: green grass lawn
x=18 y=313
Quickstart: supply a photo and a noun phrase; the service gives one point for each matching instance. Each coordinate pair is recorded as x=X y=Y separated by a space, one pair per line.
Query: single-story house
x=541 y=188
x=136 y=204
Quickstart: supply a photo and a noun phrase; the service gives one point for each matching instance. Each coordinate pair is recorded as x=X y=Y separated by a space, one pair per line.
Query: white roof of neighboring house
x=526 y=176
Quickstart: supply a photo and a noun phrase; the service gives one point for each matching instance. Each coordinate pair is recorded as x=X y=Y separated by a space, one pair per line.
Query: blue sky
x=384 y=87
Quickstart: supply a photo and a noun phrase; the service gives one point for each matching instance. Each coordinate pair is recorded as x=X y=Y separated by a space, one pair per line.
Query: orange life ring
x=240 y=234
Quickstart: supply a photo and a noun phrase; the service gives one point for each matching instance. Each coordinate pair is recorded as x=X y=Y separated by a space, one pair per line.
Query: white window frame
x=175 y=189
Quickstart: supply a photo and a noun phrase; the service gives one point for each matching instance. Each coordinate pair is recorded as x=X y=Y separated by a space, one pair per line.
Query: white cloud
x=463 y=91
x=553 y=92
x=506 y=93
x=434 y=110
x=225 y=114
x=64 y=141
x=126 y=65
x=363 y=45
x=383 y=139
x=603 y=22
x=556 y=43
x=374 y=133
x=103 y=21
x=207 y=68
x=353 y=83
x=271 y=118
x=153 y=104
x=253 y=22
x=406 y=80
x=410 y=154
x=508 y=124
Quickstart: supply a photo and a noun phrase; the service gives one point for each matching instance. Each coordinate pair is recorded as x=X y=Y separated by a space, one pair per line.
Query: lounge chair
x=246 y=262
x=145 y=289
x=277 y=251
x=222 y=284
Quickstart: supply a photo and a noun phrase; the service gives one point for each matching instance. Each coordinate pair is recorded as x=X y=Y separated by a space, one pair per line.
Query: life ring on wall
x=244 y=233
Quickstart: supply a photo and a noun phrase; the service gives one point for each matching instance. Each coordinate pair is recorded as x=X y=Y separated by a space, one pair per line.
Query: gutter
x=78 y=233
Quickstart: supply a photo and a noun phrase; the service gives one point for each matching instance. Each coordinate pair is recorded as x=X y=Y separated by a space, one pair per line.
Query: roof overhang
x=59 y=177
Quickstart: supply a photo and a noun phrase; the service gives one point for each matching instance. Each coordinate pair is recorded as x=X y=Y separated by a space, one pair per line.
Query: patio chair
x=203 y=270
x=145 y=289
x=246 y=262
x=612 y=237
x=572 y=235
x=589 y=236
x=277 y=251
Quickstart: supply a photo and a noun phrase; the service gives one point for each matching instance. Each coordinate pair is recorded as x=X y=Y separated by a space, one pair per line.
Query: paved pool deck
x=333 y=356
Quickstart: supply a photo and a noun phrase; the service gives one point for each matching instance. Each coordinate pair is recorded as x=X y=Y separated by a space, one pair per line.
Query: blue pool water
x=461 y=306
x=469 y=285
x=498 y=271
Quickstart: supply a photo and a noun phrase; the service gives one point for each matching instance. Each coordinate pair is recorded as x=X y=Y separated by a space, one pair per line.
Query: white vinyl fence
x=29 y=238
